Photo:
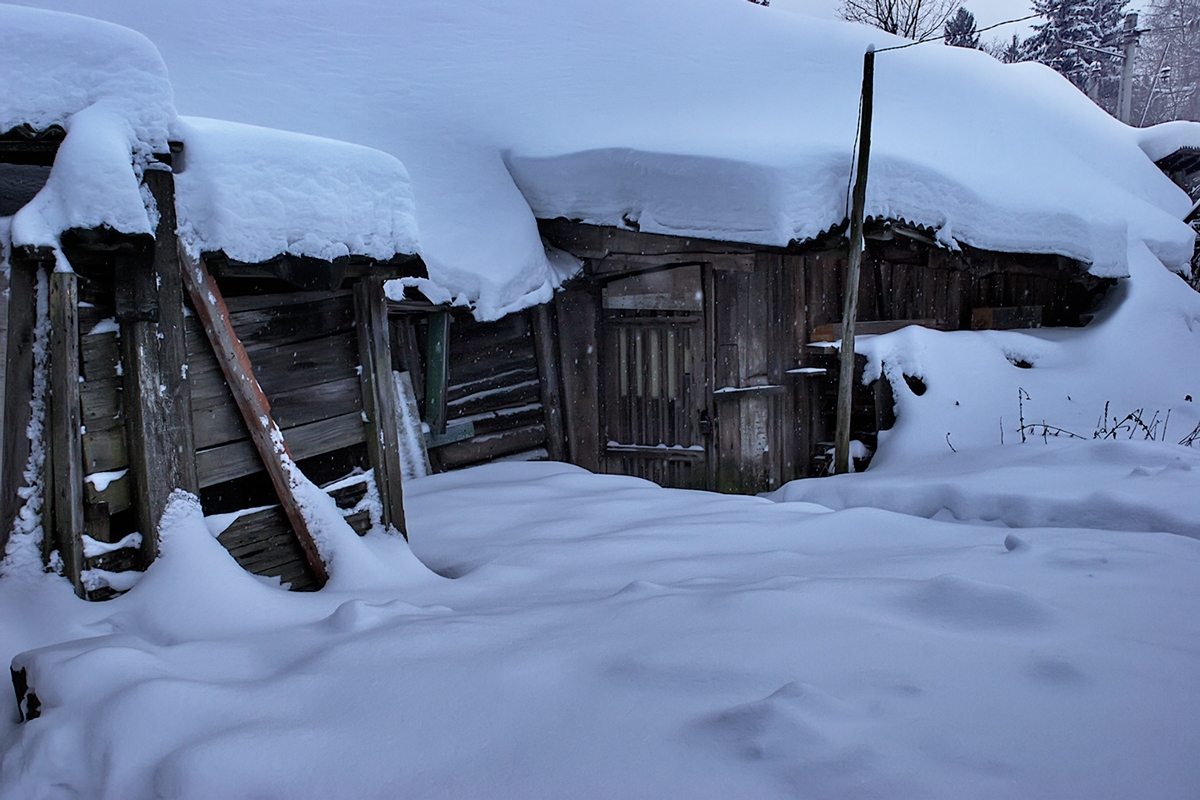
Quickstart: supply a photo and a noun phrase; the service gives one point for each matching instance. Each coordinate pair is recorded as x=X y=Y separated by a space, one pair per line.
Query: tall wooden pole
x=1125 y=94
x=858 y=199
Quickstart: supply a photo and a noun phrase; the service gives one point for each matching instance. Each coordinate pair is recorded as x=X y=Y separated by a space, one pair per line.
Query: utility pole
x=1129 y=40
x=858 y=201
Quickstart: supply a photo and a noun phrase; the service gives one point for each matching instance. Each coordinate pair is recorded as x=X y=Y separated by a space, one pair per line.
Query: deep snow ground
x=603 y=637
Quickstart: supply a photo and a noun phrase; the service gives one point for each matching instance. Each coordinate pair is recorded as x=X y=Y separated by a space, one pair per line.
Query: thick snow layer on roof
x=1160 y=141
x=700 y=117
x=256 y=193
x=107 y=86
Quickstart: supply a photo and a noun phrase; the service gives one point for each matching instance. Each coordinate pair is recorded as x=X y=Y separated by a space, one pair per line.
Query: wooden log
x=577 y=320
x=67 y=465
x=546 y=351
x=18 y=383
x=437 y=360
x=380 y=399
x=156 y=395
x=267 y=438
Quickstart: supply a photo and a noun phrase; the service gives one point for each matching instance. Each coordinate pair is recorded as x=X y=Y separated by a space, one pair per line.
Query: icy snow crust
x=606 y=638
x=694 y=117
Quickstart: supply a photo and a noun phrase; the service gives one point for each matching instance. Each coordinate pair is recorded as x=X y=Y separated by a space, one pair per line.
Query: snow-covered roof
x=1160 y=141
x=252 y=192
x=256 y=193
x=710 y=118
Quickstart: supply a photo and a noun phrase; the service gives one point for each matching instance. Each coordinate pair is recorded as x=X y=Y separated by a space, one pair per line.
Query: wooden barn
x=710 y=365
x=691 y=363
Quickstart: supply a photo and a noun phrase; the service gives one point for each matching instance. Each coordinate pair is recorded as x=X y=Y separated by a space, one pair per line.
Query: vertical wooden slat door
x=653 y=379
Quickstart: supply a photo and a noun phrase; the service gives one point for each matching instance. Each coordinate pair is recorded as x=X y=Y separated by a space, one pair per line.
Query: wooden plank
x=67 y=465
x=256 y=410
x=483 y=448
x=216 y=424
x=577 y=318
x=595 y=241
x=518 y=394
x=157 y=395
x=467 y=370
x=832 y=332
x=490 y=383
x=380 y=399
x=237 y=459
x=262 y=543
x=408 y=354
x=437 y=361
x=282 y=368
x=413 y=447
x=660 y=453
x=116 y=496
x=546 y=351
x=274 y=302
x=101 y=356
x=18 y=383
x=104 y=450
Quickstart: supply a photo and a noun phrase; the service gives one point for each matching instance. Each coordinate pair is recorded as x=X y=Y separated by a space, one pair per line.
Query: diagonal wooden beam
x=253 y=403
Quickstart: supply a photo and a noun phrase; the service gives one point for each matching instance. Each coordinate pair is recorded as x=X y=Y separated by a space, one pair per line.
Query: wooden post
x=157 y=395
x=380 y=398
x=551 y=388
x=18 y=381
x=577 y=321
x=256 y=410
x=850 y=291
x=437 y=366
x=1125 y=92
x=65 y=419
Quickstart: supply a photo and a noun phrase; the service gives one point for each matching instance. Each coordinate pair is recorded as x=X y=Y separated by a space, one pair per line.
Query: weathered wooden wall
x=770 y=391
x=493 y=383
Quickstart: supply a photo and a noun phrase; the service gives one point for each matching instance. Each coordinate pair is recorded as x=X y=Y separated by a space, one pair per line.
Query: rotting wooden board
x=457 y=391
x=104 y=450
x=832 y=332
x=116 y=494
x=216 y=424
x=482 y=448
x=290 y=323
x=281 y=368
x=235 y=460
x=519 y=394
x=100 y=356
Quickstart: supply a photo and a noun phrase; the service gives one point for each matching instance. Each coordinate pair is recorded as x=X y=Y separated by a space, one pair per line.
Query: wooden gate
x=655 y=419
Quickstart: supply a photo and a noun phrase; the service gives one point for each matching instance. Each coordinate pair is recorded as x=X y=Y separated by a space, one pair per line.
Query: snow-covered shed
x=124 y=392
x=628 y=242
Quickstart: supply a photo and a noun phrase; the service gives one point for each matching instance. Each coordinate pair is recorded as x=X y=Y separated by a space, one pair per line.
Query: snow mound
x=256 y=193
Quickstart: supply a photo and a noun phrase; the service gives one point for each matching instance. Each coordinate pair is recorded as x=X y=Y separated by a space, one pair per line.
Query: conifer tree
x=1074 y=40
x=960 y=30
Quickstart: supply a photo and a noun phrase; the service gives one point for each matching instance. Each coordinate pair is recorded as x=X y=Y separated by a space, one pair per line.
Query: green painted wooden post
x=437 y=364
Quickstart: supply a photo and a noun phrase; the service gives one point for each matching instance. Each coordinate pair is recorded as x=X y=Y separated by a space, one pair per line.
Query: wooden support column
x=437 y=370
x=381 y=400
x=551 y=386
x=577 y=320
x=256 y=410
x=158 y=400
x=858 y=201
x=66 y=467
x=18 y=383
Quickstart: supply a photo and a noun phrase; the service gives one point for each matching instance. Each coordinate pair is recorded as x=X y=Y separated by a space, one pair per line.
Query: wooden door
x=655 y=420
